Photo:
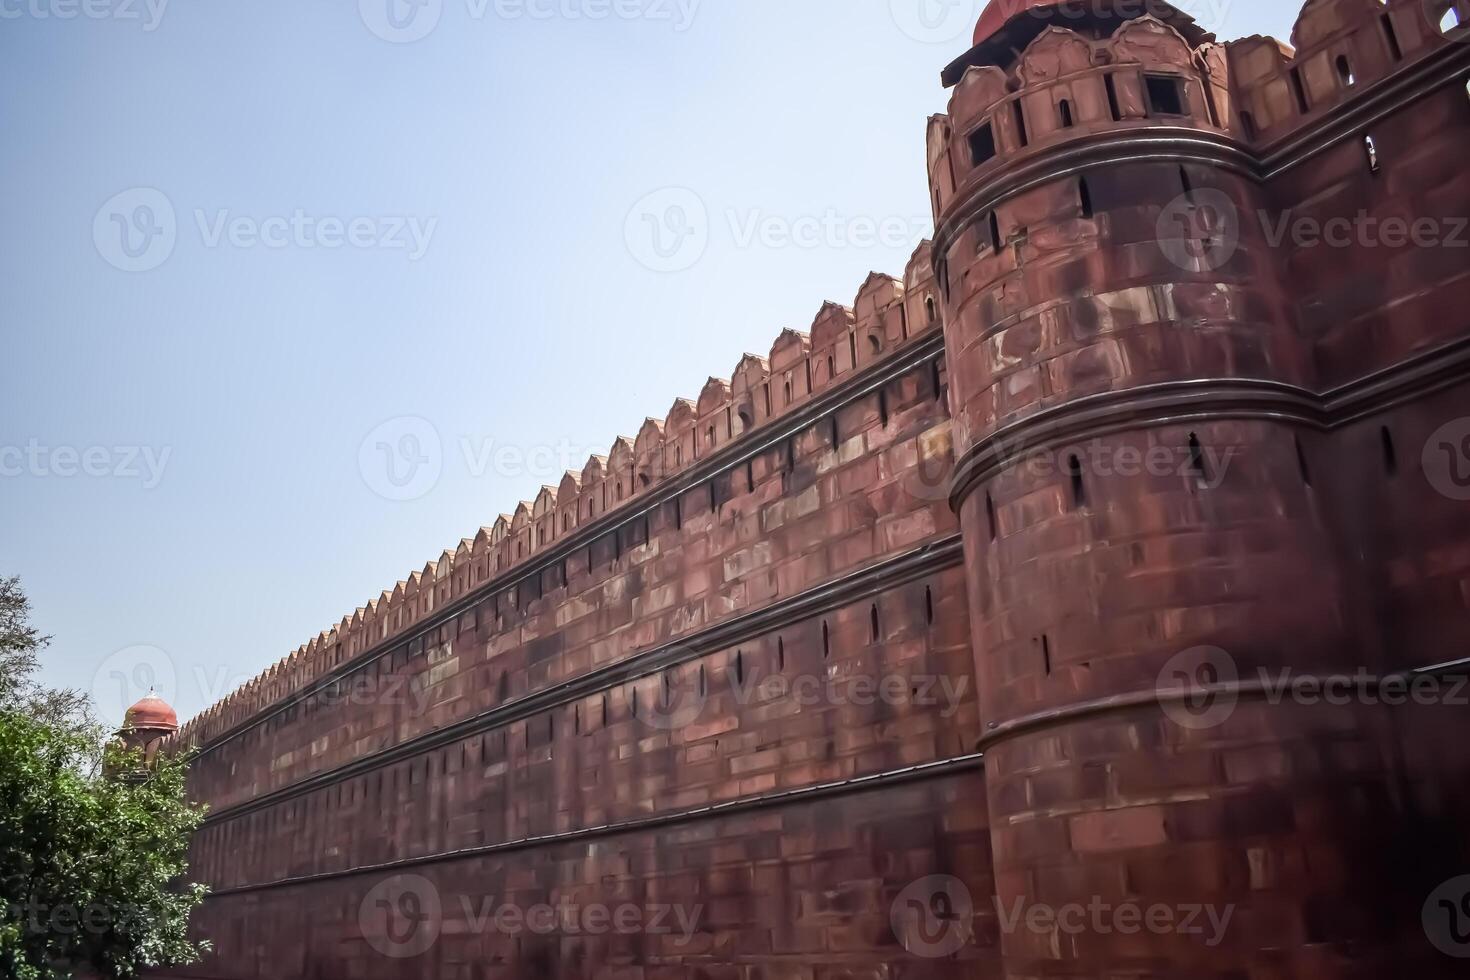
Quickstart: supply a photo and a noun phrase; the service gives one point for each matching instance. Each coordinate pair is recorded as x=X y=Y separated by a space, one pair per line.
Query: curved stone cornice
x=1173 y=402
x=1152 y=143
x=1121 y=146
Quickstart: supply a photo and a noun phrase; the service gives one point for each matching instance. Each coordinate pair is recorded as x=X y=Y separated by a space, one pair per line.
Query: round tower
x=1131 y=398
x=146 y=725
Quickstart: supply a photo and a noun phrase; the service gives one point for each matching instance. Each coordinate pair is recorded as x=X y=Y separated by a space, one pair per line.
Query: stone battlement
x=886 y=313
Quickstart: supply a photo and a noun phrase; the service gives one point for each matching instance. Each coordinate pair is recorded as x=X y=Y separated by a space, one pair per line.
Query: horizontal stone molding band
x=1182 y=145
x=937 y=555
x=1385 y=98
x=1175 y=402
x=1125 y=146
x=731 y=808
x=1239 y=691
x=921 y=349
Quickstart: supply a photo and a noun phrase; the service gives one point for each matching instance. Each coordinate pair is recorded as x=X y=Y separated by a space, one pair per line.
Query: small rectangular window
x=1165 y=95
x=982 y=145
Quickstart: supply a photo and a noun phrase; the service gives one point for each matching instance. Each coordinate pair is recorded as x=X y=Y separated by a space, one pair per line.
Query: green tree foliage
x=92 y=844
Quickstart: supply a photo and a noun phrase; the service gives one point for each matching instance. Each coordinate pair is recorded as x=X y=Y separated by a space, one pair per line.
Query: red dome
x=999 y=13
x=152 y=712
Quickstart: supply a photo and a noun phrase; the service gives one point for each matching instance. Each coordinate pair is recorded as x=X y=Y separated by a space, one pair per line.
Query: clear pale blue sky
x=529 y=321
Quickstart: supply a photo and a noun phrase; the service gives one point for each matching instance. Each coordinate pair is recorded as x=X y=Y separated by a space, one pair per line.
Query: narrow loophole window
x=1079 y=487
x=836 y=436
x=826 y=640
x=1390 y=451
x=1084 y=195
x=990 y=515
x=780 y=653
x=1020 y=114
x=1391 y=34
x=1301 y=462
x=883 y=406
x=1197 y=464
x=873 y=621
x=703 y=682
x=739 y=667
x=1300 y=91
x=929 y=605
x=1064 y=109
x=1046 y=653
x=995 y=240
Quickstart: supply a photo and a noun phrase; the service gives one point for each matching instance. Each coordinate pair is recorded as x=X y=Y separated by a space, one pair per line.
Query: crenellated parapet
x=798 y=368
x=1017 y=104
x=1339 y=49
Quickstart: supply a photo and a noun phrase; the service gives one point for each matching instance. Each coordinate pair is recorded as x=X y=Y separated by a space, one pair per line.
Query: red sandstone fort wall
x=573 y=704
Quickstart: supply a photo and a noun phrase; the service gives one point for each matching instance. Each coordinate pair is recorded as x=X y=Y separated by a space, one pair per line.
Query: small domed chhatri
x=152 y=712
x=998 y=13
